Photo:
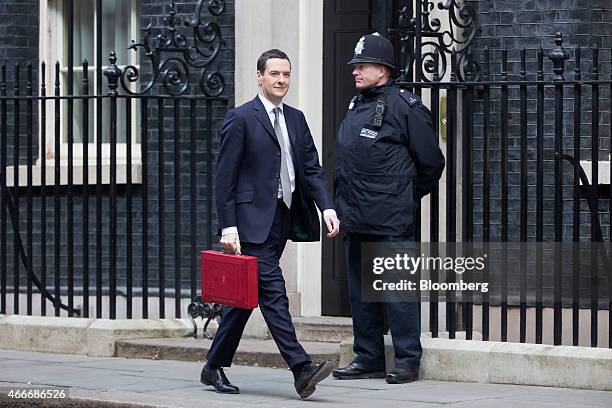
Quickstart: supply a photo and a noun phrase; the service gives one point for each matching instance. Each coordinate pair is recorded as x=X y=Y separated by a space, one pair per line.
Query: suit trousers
x=368 y=317
x=272 y=299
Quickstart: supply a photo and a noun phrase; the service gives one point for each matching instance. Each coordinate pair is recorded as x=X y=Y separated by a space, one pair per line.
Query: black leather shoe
x=356 y=370
x=310 y=375
x=400 y=375
x=216 y=377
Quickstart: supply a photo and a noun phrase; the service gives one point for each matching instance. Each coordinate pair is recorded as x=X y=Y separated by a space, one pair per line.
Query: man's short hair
x=273 y=53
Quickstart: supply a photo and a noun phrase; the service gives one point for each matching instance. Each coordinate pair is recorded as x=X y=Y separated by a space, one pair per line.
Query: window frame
x=52 y=40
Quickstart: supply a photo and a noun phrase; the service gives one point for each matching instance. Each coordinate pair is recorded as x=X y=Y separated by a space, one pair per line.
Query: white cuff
x=229 y=230
x=329 y=211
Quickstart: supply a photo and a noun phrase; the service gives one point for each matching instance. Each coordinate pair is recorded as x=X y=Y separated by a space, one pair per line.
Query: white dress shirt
x=269 y=106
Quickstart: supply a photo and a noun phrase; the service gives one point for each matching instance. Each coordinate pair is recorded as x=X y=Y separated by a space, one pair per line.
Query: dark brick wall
x=154 y=12
x=512 y=25
x=18 y=48
x=18 y=33
x=516 y=23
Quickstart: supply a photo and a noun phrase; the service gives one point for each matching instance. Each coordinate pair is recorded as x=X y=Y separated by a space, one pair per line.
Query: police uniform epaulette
x=410 y=98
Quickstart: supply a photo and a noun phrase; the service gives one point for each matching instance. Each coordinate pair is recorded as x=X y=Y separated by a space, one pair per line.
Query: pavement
x=121 y=382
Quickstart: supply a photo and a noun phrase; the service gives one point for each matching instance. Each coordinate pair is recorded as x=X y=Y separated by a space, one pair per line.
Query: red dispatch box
x=229 y=279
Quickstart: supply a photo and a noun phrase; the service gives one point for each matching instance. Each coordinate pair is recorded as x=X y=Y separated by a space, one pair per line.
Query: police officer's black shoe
x=310 y=375
x=402 y=375
x=216 y=377
x=356 y=370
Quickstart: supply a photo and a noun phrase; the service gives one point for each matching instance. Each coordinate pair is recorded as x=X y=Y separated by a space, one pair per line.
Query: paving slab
x=139 y=382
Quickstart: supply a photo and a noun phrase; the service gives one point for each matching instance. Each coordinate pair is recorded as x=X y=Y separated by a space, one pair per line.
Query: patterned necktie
x=284 y=173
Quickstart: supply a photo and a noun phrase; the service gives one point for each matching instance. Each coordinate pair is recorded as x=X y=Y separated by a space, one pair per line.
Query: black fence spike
x=577 y=70
x=16 y=86
x=595 y=62
x=504 y=66
x=454 y=70
x=57 y=74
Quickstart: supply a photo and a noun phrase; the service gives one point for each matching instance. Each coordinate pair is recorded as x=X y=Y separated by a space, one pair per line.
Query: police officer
x=386 y=160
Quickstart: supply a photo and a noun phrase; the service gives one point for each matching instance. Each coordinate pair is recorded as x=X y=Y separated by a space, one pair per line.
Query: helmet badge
x=360 y=45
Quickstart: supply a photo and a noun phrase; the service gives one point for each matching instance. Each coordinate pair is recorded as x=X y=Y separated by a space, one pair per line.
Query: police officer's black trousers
x=403 y=317
x=273 y=301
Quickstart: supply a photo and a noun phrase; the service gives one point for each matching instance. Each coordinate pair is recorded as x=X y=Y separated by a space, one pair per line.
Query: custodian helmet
x=375 y=49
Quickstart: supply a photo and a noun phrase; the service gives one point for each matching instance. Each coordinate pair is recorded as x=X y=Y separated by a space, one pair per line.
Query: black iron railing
x=79 y=226
x=178 y=181
x=514 y=131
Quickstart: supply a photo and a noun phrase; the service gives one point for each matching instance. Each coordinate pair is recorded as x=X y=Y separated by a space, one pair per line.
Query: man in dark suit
x=267 y=176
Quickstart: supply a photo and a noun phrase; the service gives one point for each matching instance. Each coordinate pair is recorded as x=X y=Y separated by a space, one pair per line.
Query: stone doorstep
x=323 y=329
x=251 y=352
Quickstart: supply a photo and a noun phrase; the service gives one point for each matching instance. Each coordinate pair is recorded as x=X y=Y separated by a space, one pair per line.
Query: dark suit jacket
x=248 y=171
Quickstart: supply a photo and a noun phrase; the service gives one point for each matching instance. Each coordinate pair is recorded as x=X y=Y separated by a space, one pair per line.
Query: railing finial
x=558 y=57
x=112 y=72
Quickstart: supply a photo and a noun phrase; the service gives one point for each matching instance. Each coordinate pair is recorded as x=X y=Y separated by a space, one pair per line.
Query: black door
x=344 y=22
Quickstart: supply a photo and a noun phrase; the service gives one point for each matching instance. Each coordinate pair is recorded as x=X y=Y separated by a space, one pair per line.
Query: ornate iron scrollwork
x=208 y=311
x=461 y=19
x=173 y=57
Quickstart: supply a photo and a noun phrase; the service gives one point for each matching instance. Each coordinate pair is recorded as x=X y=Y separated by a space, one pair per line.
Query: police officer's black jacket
x=381 y=173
